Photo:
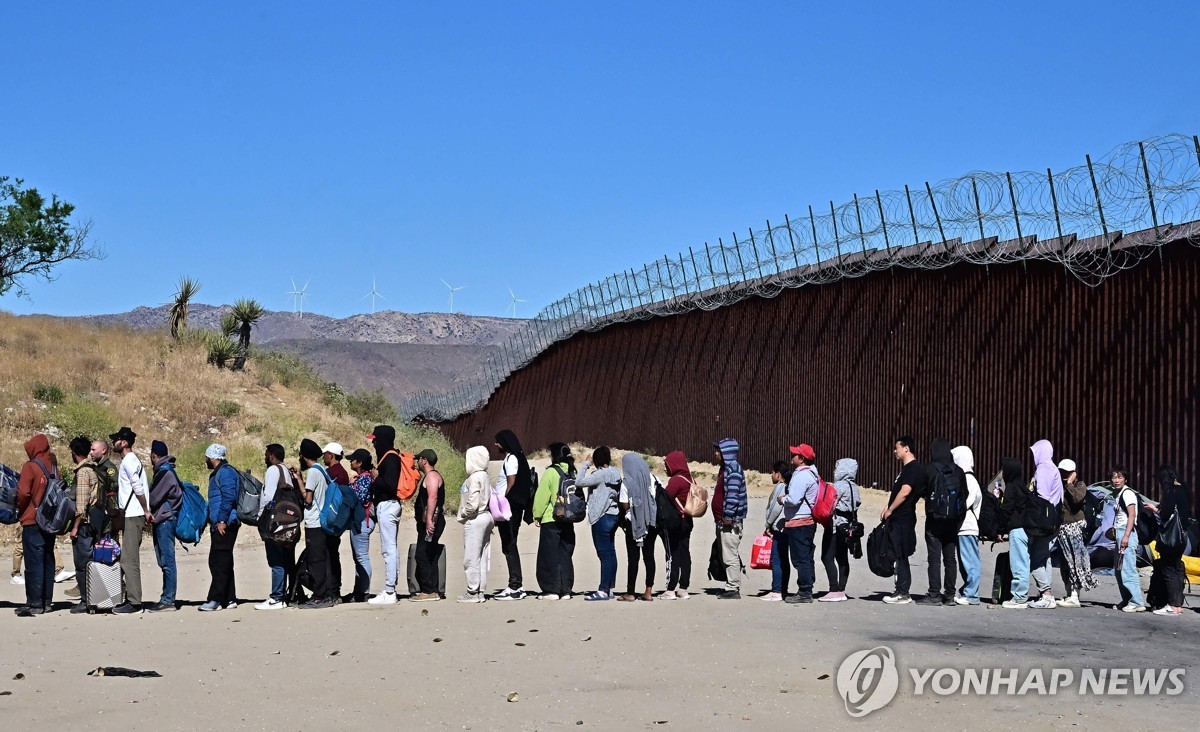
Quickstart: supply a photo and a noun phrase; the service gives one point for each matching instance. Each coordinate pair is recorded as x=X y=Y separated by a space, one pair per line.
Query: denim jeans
x=39 y=566
x=969 y=566
x=282 y=561
x=388 y=516
x=164 y=552
x=360 y=542
x=802 y=543
x=1128 y=581
x=604 y=536
x=1018 y=562
x=781 y=568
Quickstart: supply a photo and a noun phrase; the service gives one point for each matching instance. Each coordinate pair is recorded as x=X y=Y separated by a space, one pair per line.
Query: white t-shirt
x=510 y=466
x=315 y=482
x=1126 y=499
x=131 y=481
x=271 y=482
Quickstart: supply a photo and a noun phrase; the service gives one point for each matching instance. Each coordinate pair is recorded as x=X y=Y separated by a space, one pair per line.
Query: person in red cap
x=798 y=523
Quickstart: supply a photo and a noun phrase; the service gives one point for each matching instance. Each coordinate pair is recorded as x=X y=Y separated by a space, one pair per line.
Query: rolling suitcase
x=105 y=586
x=413 y=587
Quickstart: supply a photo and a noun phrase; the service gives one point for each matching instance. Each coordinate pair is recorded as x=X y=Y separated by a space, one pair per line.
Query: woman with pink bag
x=477 y=524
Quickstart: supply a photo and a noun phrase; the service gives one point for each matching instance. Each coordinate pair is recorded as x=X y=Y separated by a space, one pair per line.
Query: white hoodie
x=965 y=459
x=475 y=490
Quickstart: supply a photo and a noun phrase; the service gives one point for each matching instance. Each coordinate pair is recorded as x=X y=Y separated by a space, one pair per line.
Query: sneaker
x=161 y=607
x=597 y=596
x=547 y=596
x=509 y=593
x=386 y=598
x=948 y=601
x=72 y=592
x=681 y=594
x=1070 y=601
x=64 y=575
x=28 y=612
x=1045 y=602
x=471 y=597
x=898 y=599
x=833 y=597
x=270 y=605
x=232 y=605
x=796 y=599
x=79 y=609
x=208 y=607
x=771 y=597
x=1134 y=609
x=1166 y=610
x=1014 y=605
x=315 y=604
x=425 y=597
x=668 y=595
x=966 y=600
x=17 y=579
x=730 y=595
x=127 y=609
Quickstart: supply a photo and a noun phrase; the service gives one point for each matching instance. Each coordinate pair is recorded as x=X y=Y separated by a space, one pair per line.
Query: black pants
x=508 y=545
x=679 y=575
x=220 y=565
x=427 y=557
x=941 y=540
x=316 y=560
x=835 y=555
x=1166 y=583
x=646 y=550
x=81 y=553
x=333 y=545
x=555 y=568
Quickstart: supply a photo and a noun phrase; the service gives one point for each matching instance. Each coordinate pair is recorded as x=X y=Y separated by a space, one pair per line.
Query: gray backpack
x=56 y=512
x=249 y=500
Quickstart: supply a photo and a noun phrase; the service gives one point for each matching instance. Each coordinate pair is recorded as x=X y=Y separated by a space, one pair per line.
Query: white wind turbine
x=298 y=295
x=452 y=291
x=512 y=306
x=374 y=293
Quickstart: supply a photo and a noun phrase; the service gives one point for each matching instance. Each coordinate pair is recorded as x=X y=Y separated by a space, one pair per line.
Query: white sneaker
x=1070 y=601
x=509 y=593
x=681 y=594
x=1166 y=610
x=668 y=595
x=772 y=597
x=1045 y=602
x=471 y=597
x=547 y=597
x=384 y=598
x=270 y=605
x=898 y=600
x=1134 y=609
x=64 y=575
x=17 y=579
x=1014 y=605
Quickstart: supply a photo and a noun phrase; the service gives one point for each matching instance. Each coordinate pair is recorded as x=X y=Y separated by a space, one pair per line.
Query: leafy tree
x=36 y=235
x=247 y=313
x=188 y=288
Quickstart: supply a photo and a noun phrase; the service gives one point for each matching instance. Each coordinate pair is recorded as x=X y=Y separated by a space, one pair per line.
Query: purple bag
x=106 y=551
x=498 y=506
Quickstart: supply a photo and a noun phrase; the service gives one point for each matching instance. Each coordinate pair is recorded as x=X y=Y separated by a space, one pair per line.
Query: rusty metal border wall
x=994 y=357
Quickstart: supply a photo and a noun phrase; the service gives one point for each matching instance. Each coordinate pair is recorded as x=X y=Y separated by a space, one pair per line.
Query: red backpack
x=822 y=510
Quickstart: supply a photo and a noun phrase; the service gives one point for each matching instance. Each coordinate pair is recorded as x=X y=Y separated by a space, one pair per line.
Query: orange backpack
x=410 y=477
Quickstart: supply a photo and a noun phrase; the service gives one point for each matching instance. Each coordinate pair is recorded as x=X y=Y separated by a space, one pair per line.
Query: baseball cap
x=805 y=451
x=334 y=449
x=1067 y=465
x=429 y=455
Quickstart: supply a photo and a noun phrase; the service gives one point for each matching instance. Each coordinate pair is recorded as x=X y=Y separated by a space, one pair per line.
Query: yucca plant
x=221 y=350
x=188 y=288
x=247 y=313
x=229 y=325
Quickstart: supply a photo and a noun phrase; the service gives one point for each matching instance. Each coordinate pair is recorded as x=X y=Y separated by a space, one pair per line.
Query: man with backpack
x=316 y=555
x=129 y=518
x=900 y=516
x=38 y=544
x=798 y=524
x=224 y=483
x=166 y=498
x=89 y=514
x=384 y=494
x=332 y=456
x=281 y=556
x=945 y=506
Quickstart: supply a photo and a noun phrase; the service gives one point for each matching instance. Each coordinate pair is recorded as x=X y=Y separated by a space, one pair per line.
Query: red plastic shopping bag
x=760 y=553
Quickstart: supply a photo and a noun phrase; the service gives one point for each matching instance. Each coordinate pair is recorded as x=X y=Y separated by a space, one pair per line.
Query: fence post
x=1150 y=192
x=792 y=240
x=886 y=241
x=771 y=241
x=1099 y=206
x=912 y=214
x=933 y=203
x=836 y=237
x=978 y=210
x=862 y=236
x=724 y=259
x=754 y=248
x=813 y=220
x=695 y=269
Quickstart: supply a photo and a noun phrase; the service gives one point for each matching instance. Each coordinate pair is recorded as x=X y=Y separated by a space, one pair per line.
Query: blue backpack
x=193 y=516
x=339 y=509
x=8 y=495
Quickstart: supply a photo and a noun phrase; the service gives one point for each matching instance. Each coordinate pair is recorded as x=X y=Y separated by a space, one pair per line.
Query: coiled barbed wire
x=1095 y=219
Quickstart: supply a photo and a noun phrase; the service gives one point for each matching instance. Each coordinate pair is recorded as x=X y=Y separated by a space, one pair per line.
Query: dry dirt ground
x=700 y=664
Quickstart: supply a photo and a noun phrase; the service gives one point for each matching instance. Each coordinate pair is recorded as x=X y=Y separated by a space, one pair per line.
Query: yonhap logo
x=868 y=680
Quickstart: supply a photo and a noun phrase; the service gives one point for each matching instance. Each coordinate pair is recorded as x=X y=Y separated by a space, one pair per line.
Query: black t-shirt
x=913 y=475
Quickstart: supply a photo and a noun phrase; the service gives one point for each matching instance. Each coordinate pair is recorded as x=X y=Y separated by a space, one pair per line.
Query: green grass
x=76 y=416
x=228 y=409
x=49 y=393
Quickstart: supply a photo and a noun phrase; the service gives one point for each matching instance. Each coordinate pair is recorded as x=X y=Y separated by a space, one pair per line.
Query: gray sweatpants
x=731 y=542
x=477 y=550
x=131 y=558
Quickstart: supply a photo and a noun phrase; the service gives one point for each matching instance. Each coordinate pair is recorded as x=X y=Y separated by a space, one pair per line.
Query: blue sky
x=540 y=146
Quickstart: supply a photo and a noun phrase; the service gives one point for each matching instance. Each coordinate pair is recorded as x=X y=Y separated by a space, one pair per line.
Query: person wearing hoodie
x=835 y=549
x=224 y=484
x=477 y=524
x=38 y=545
x=641 y=517
x=941 y=535
x=384 y=486
x=679 y=485
x=781 y=568
x=799 y=526
x=968 y=532
x=1076 y=562
x=1049 y=486
x=1166 y=584
x=516 y=480
x=556 y=539
x=1012 y=508
x=729 y=511
x=166 y=499
x=603 y=514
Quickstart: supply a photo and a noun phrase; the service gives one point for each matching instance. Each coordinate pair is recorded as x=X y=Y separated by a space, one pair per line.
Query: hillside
x=66 y=379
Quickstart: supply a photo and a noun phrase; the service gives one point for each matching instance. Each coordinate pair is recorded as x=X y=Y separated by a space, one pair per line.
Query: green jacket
x=547 y=492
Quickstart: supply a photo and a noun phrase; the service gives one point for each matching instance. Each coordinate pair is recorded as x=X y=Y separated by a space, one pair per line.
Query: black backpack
x=667 y=514
x=881 y=555
x=1040 y=517
x=946 y=499
x=569 y=504
x=989 y=517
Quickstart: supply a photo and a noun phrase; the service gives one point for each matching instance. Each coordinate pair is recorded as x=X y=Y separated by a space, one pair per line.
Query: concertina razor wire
x=1079 y=217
